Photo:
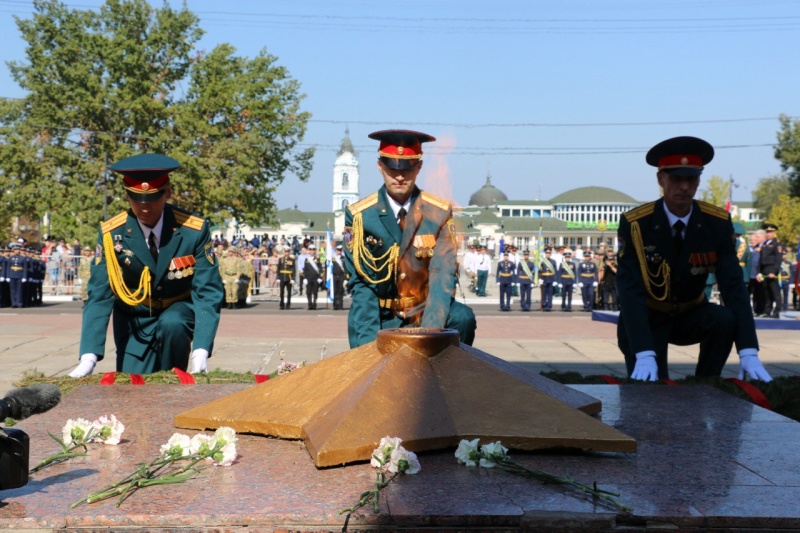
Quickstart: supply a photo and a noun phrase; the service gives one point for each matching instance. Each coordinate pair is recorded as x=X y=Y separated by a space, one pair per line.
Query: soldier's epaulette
x=188 y=220
x=640 y=212
x=113 y=223
x=364 y=203
x=435 y=200
x=713 y=210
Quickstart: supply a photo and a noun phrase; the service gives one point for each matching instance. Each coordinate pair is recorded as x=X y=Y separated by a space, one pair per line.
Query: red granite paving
x=705 y=460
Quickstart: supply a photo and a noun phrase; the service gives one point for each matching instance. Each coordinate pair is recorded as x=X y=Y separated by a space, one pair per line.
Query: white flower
x=76 y=431
x=492 y=453
x=383 y=452
x=225 y=456
x=403 y=460
x=224 y=436
x=286 y=367
x=178 y=445
x=467 y=452
x=108 y=430
x=200 y=444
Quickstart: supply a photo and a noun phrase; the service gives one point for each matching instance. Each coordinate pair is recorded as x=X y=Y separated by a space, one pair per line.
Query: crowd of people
x=277 y=268
x=556 y=270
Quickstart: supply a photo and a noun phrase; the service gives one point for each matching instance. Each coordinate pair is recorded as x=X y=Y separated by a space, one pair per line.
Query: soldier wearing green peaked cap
x=154 y=274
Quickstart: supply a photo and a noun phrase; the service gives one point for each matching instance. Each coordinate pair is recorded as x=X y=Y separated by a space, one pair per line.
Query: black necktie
x=678 y=237
x=151 y=241
x=401 y=218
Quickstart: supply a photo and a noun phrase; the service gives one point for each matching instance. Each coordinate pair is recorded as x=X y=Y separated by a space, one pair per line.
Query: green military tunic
x=182 y=310
x=402 y=279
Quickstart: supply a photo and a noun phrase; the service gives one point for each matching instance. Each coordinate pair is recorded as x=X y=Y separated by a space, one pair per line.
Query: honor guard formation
x=161 y=280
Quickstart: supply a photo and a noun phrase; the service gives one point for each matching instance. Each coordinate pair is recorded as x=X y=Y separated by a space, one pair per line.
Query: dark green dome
x=488 y=195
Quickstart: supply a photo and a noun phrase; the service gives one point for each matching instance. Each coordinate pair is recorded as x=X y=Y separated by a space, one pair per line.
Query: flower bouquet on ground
x=495 y=454
x=389 y=458
x=78 y=433
x=178 y=461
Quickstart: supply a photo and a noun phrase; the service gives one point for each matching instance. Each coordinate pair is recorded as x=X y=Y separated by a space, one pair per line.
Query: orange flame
x=437 y=172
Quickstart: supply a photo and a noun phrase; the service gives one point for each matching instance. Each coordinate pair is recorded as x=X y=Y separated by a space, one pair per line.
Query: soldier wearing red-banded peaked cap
x=400 y=149
x=681 y=156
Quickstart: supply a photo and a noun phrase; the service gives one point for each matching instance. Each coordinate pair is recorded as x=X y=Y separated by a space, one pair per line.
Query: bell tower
x=345 y=175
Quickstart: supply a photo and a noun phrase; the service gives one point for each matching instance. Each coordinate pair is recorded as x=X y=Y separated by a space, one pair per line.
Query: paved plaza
x=258 y=338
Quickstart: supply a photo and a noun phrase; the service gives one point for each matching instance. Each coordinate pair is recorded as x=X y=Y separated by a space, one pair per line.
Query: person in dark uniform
x=525 y=270
x=339 y=277
x=769 y=268
x=587 y=279
x=155 y=274
x=608 y=282
x=286 y=273
x=547 y=280
x=667 y=249
x=312 y=275
x=400 y=250
x=504 y=278
x=566 y=280
x=17 y=276
x=5 y=298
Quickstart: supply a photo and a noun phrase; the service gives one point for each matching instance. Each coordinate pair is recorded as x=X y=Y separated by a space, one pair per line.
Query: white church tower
x=345 y=175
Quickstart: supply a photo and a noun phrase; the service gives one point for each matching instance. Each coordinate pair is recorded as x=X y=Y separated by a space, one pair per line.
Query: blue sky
x=547 y=96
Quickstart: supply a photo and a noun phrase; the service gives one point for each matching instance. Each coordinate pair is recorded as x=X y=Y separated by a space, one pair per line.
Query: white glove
x=540 y=282
x=224 y=282
x=319 y=280
x=24 y=280
x=580 y=285
x=85 y=367
x=646 y=368
x=305 y=282
x=594 y=284
x=754 y=368
x=198 y=362
x=559 y=285
x=291 y=282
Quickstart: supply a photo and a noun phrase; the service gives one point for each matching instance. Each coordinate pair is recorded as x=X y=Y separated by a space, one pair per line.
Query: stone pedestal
x=705 y=459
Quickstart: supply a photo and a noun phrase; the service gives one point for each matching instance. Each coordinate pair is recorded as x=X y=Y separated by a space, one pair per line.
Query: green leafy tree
x=716 y=191
x=786 y=215
x=766 y=193
x=788 y=152
x=104 y=85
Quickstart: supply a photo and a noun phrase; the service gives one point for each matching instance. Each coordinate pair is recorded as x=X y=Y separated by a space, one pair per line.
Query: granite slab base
x=705 y=459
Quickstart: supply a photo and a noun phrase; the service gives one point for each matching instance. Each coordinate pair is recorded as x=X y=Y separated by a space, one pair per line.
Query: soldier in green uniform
x=246 y=276
x=400 y=250
x=667 y=249
x=155 y=272
x=84 y=271
x=230 y=270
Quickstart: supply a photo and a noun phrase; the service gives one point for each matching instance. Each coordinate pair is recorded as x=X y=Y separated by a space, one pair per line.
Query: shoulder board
x=364 y=203
x=640 y=212
x=435 y=200
x=188 y=220
x=115 y=222
x=713 y=210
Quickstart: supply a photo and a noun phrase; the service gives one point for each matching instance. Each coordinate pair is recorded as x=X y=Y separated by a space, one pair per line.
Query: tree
x=766 y=194
x=717 y=191
x=104 y=84
x=788 y=152
x=786 y=215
